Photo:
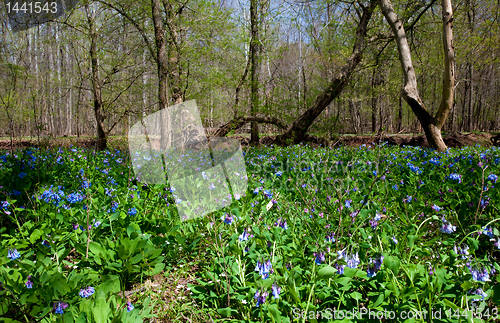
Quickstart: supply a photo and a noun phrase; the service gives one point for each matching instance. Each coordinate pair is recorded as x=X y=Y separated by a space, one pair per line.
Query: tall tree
x=431 y=124
x=297 y=130
x=254 y=70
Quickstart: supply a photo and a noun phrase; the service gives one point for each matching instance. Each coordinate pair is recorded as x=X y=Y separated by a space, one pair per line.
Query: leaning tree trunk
x=96 y=84
x=432 y=125
x=297 y=131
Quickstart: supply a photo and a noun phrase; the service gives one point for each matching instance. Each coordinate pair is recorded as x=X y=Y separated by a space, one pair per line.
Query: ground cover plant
x=319 y=233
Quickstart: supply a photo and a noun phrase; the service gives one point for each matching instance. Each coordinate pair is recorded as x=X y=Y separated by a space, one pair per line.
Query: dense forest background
x=50 y=74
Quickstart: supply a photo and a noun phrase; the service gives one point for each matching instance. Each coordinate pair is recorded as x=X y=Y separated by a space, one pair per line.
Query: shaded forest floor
x=455 y=140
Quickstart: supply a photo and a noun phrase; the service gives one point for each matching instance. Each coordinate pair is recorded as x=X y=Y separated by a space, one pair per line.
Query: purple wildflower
x=29 y=283
x=276 y=291
x=320 y=257
x=260 y=297
x=129 y=306
x=59 y=307
x=86 y=292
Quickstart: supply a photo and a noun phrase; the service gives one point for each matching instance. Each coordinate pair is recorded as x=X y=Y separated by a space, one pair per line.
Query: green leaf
x=110 y=284
x=411 y=240
x=467 y=285
x=100 y=310
x=392 y=263
x=472 y=243
x=326 y=273
x=35 y=235
x=273 y=308
x=225 y=312
x=450 y=304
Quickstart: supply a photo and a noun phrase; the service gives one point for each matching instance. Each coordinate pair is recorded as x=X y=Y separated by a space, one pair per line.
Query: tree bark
x=96 y=83
x=162 y=64
x=254 y=72
x=297 y=131
x=431 y=125
x=237 y=123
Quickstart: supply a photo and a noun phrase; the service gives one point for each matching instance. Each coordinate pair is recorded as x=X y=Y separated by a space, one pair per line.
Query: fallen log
x=240 y=122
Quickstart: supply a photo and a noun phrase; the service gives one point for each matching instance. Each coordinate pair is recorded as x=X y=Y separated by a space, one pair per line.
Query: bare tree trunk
x=297 y=131
x=471 y=98
x=254 y=71
x=431 y=125
x=162 y=63
x=96 y=82
x=374 y=102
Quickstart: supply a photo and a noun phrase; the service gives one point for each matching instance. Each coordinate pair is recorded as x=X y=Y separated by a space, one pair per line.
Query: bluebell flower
x=281 y=223
x=414 y=168
x=75 y=197
x=492 y=177
x=29 y=283
x=497 y=243
x=129 y=306
x=268 y=194
x=340 y=268
x=348 y=203
x=448 y=228
x=394 y=240
x=132 y=211
x=244 y=236
x=13 y=254
x=330 y=237
x=227 y=218
x=114 y=206
x=352 y=260
x=264 y=268
x=59 y=307
x=461 y=251
x=279 y=173
x=374 y=266
x=488 y=231
x=260 y=297
x=4 y=205
x=22 y=175
x=485 y=202
x=395 y=187
x=276 y=291
x=45 y=243
x=456 y=177
x=86 y=184
x=481 y=293
x=319 y=257
x=478 y=274
x=436 y=208
x=86 y=292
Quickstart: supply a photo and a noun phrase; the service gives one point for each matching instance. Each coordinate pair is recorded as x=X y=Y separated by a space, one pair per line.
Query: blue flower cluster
x=481 y=275
x=13 y=254
x=86 y=292
x=456 y=177
x=75 y=197
x=374 y=266
x=264 y=268
x=260 y=296
x=447 y=227
x=319 y=257
x=281 y=223
x=52 y=195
